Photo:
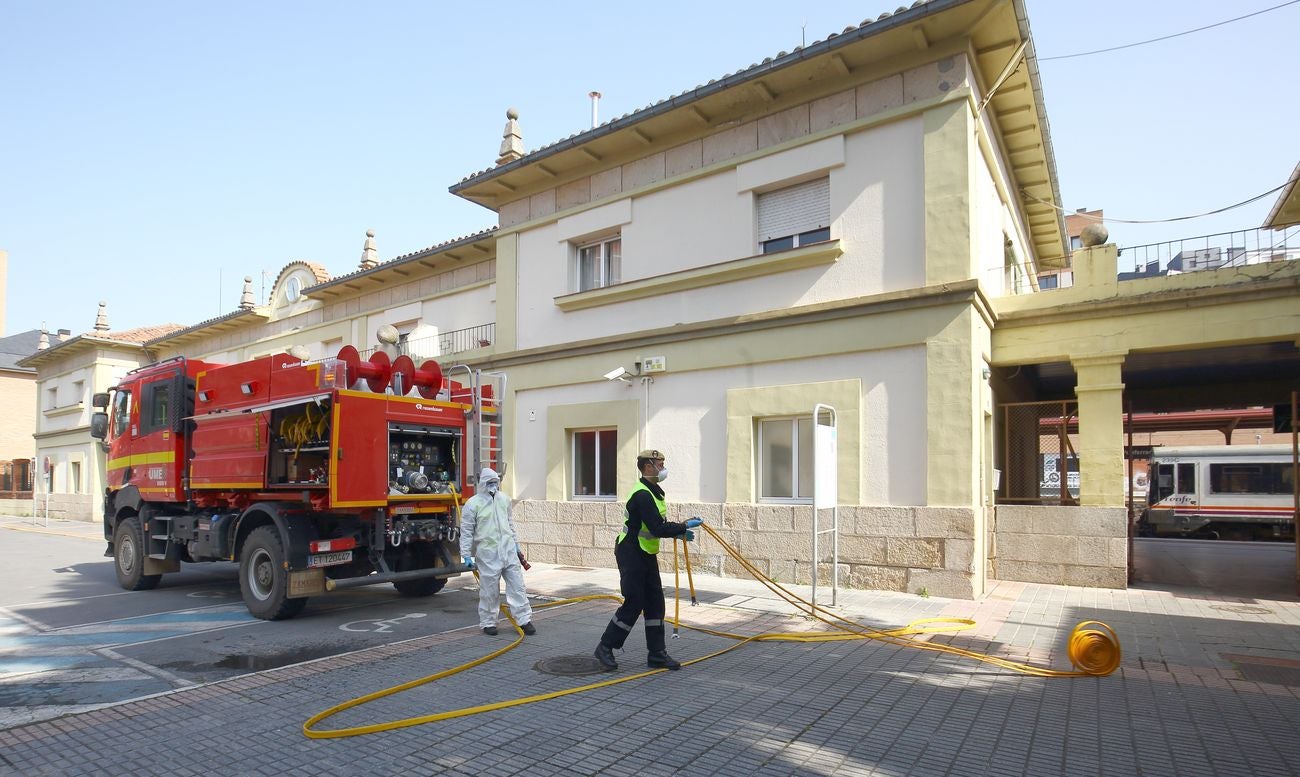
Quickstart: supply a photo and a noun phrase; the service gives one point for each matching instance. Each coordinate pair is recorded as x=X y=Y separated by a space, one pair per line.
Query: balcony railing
x=1209 y=252
x=445 y=344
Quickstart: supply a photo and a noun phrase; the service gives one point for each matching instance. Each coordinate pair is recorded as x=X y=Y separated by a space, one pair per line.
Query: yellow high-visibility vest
x=648 y=542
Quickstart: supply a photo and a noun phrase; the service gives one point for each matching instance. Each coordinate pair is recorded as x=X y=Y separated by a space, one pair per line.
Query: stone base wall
x=1084 y=546
x=918 y=550
x=16 y=507
x=67 y=507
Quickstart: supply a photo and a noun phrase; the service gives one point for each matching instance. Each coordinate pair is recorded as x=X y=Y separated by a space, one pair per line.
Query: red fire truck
x=294 y=470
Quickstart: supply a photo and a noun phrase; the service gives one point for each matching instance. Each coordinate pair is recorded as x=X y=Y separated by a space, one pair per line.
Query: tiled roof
x=15 y=347
x=690 y=95
x=423 y=252
x=141 y=334
x=177 y=329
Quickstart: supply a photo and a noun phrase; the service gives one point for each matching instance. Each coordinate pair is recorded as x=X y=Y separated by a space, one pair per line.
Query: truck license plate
x=329 y=559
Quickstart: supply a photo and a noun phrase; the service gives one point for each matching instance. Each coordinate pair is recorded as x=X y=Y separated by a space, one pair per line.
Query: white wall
x=877 y=210
x=688 y=422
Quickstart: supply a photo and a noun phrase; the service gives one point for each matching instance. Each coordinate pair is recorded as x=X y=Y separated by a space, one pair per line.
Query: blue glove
x=468 y=561
x=689 y=535
x=693 y=522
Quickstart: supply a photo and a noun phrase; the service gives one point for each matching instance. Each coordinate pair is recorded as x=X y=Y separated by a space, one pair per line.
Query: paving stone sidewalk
x=1208 y=686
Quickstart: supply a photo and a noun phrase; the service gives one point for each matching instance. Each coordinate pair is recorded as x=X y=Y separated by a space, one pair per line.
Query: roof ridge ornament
x=512 y=142
x=101 y=318
x=246 y=298
x=369 y=256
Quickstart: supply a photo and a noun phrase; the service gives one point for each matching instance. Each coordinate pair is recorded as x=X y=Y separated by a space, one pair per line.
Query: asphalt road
x=1265 y=570
x=71 y=638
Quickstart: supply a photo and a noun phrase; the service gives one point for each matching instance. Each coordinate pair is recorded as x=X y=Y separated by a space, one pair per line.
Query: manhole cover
x=1244 y=609
x=570 y=666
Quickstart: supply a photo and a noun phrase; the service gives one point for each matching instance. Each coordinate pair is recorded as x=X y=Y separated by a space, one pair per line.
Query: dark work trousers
x=643 y=592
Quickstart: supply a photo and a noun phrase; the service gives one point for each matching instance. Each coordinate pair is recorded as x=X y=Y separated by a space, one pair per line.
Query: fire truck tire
x=129 y=554
x=418 y=555
x=263 y=580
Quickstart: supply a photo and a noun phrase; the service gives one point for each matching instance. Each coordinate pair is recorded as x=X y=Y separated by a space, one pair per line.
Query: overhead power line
x=1167 y=37
x=1161 y=221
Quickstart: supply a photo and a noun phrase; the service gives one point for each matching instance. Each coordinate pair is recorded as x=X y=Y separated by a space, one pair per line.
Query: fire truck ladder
x=488 y=420
x=485 y=417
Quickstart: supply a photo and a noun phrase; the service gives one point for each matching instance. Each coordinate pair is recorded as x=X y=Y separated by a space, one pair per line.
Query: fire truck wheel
x=129 y=554
x=262 y=578
x=418 y=555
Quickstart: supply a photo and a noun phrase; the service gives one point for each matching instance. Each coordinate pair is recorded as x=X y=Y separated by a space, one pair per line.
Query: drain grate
x=1265 y=669
x=1244 y=609
x=577 y=569
x=570 y=666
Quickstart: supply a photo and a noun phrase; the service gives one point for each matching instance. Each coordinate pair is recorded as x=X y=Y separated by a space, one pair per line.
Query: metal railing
x=1209 y=252
x=1039 y=460
x=16 y=478
x=444 y=343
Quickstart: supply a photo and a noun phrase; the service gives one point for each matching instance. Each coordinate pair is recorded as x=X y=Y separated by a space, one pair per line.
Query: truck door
x=157 y=446
x=119 y=438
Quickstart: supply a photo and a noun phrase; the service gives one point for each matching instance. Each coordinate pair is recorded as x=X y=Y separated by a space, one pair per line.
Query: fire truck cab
x=313 y=476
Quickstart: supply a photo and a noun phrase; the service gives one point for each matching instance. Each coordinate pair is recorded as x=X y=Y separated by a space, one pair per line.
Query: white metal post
x=825 y=494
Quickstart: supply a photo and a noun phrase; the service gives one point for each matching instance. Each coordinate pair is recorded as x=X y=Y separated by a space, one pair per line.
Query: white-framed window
x=74 y=477
x=79 y=392
x=794 y=216
x=599 y=263
x=785 y=459
x=593 y=464
x=51 y=397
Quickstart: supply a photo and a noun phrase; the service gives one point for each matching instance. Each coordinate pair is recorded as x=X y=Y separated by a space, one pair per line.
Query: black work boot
x=660 y=659
x=606 y=657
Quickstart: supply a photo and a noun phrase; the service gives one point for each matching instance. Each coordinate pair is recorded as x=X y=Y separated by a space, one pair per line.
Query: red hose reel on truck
x=379 y=372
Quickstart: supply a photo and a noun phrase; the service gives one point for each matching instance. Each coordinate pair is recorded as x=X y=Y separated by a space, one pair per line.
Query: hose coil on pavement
x=1093 y=649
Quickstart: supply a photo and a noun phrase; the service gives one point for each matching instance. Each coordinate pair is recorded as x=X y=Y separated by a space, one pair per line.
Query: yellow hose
x=1093 y=649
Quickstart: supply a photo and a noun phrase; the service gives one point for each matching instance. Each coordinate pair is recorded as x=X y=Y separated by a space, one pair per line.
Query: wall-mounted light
x=618 y=373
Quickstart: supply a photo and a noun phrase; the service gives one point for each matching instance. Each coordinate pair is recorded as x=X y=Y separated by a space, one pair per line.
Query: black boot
x=658 y=657
x=606 y=657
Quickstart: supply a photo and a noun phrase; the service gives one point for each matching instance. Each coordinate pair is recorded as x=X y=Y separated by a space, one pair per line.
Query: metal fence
x=1040 y=464
x=445 y=343
x=1210 y=252
x=16 y=478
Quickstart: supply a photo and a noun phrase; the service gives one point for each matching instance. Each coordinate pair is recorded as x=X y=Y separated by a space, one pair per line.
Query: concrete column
x=1100 y=391
x=507 y=296
x=949 y=212
x=1096 y=269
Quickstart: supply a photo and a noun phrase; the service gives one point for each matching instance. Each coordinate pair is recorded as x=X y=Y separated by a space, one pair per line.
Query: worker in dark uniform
x=638 y=567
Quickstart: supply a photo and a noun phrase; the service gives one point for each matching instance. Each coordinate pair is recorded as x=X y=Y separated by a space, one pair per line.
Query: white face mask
x=663 y=474
x=491 y=488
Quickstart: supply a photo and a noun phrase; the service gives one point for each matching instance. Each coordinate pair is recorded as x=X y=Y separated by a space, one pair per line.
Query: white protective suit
x=488 y=534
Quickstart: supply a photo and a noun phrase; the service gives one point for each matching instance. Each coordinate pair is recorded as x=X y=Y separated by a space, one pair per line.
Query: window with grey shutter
x=794 y=216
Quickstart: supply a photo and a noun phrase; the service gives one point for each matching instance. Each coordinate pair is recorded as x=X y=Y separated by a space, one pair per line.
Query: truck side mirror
x=100 y=399
x=99 y=424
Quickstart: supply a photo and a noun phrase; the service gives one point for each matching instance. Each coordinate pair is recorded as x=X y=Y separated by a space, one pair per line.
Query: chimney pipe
x=595 y=101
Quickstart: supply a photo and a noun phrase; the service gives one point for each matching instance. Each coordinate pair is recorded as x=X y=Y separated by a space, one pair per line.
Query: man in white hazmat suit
x=488 y=542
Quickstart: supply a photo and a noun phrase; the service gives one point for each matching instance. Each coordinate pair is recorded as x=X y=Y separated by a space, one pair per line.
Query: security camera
x=618 y=373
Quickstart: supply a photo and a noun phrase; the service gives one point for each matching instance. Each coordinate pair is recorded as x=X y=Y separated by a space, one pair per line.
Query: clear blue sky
x=154 y=153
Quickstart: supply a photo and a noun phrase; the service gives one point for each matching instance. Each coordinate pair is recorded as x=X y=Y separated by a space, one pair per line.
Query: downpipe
x=391 y=577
